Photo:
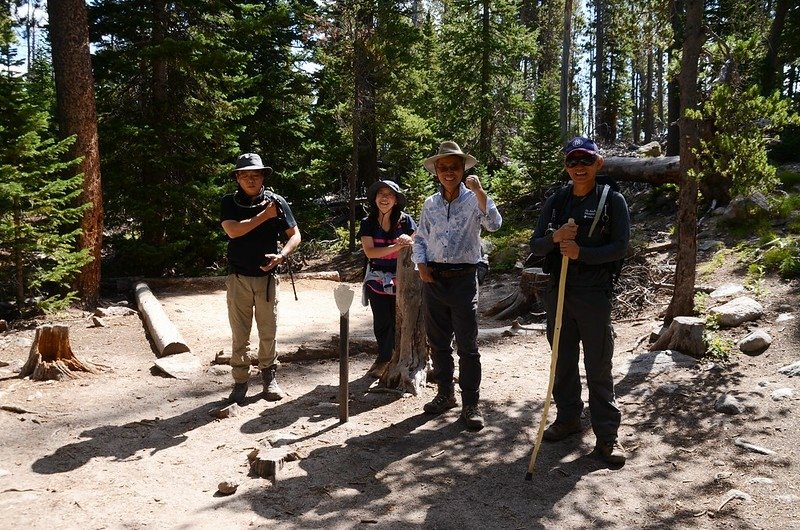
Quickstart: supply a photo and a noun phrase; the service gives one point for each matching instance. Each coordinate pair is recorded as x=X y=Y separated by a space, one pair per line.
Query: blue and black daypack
x=605 y=185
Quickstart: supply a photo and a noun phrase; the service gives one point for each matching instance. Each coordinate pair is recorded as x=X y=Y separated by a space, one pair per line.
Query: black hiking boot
x=272 y=392
x=442 y=402
x=238 y=394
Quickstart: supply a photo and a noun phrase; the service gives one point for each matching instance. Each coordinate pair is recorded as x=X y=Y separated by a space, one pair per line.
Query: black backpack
x=552 y=261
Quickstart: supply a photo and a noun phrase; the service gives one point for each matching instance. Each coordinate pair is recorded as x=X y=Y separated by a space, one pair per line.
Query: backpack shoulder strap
x=600 y=208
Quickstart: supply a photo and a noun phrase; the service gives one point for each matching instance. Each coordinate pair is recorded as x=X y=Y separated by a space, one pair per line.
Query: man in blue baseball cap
x=596 y=241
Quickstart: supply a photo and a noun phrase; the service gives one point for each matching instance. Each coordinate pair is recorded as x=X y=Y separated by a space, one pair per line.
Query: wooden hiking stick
x=562 y=282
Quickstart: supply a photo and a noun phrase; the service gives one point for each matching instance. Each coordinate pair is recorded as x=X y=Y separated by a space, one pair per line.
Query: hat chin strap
x=245 y=201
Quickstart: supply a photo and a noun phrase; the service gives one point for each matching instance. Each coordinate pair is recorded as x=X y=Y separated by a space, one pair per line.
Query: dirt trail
x=134 y=449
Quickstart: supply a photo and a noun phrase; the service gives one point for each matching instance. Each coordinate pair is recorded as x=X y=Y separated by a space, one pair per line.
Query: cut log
x=408 y=369
x=165 y=335
x=529 y=296
x=51 y=356
x=684 y=334
x=656 y=171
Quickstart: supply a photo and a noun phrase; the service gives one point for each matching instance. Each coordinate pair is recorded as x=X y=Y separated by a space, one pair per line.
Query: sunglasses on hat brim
x=585 y=160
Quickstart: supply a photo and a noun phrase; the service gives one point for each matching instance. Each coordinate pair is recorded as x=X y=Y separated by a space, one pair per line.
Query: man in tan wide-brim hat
x=447 y=247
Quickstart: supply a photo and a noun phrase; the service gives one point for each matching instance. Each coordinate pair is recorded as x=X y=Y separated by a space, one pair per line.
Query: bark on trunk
x=683 y=296
x=408 y=368
x=69 y=32
x=771 y=66
x=566 y=53
x=51 y=356
x=165 y=335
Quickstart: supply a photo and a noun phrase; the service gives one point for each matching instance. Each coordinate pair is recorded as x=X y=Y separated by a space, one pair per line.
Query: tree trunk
x=566 y=54
x=648 y=98
x=682 y=303
x=601 y=128
x=771 y=66
x=69 y=33
x=676 y=10
x=408 y=368
x=485 y=138
x=51 y=356
x=529 y=296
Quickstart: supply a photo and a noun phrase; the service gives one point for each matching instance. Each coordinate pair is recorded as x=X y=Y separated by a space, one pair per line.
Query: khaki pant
x=247 y=295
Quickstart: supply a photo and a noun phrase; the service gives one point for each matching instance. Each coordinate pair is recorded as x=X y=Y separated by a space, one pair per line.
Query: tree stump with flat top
x=51 y=356
x=529 y=296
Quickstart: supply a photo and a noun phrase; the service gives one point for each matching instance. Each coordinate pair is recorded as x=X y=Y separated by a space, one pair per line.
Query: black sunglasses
x=582 y=160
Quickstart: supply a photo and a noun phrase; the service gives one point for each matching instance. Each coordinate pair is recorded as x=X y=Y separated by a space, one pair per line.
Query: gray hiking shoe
x=272 y=392
x=442 y=402
x=238 y=394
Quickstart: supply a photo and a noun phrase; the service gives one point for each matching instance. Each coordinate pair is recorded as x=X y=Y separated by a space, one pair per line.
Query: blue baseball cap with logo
x=579 y=144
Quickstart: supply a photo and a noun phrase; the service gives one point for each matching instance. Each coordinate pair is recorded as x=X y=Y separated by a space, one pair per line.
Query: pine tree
x=39 y=197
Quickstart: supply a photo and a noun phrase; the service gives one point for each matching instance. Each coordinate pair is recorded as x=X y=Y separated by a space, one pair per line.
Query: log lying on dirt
x=51 y=356
x=529 y=296
x=656 y=171
x=684 y=334
x=165 y=335
x=408 y=369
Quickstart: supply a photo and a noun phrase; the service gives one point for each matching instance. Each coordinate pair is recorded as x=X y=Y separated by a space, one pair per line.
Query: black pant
x=451 y=310
x=586 y=319
x=383 y=322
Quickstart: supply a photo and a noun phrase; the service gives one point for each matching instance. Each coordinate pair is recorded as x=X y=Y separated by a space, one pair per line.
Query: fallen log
x=165 y=335
x=51 y=356
x=656 y=171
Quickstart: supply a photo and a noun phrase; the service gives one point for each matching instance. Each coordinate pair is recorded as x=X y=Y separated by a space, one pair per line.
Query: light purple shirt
x=451 y=232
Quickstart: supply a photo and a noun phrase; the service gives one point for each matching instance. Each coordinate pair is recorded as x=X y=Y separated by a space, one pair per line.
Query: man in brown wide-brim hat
x=447 y=248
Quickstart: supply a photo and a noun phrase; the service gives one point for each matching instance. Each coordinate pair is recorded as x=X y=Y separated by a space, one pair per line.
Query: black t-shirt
x=246 y=253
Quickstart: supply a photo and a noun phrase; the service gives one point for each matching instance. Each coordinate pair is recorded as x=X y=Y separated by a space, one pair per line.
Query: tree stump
x=408 y=369
x=684 y=334
x=529 y=296
x=51 y=356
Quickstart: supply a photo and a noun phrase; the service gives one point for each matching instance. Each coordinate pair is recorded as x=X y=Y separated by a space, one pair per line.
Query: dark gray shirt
x=608 y=243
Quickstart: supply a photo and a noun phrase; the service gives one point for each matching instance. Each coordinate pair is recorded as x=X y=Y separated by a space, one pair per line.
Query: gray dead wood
x=165 y=335
x=407 y=371
x=656 y=171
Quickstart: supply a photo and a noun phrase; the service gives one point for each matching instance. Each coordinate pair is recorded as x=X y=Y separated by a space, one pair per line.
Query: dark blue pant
x=586 y=320
x=383 y=320
x=451 y=310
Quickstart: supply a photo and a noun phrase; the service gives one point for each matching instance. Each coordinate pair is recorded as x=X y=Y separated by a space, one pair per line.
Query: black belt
x=453 y=272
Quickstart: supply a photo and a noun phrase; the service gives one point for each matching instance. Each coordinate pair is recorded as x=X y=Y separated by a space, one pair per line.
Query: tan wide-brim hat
x=448 y=149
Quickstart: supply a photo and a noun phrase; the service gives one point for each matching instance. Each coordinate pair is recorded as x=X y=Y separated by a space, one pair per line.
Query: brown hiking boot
x=472 y=416
x=611 y=452
x=272 y=392
x=561 y=429
x=442 y=402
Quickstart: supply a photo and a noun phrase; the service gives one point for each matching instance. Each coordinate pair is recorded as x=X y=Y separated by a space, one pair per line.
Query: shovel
x=562 y=282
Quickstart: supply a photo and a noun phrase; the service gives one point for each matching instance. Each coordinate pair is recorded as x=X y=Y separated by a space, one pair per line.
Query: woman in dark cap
x=383 y=233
